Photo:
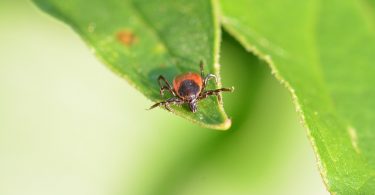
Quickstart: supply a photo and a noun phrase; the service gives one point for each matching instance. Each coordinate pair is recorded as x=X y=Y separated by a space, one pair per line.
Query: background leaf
x=141 y=40
x=323 y=52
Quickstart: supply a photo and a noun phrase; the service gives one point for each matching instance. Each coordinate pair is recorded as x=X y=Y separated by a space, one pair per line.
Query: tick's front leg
x=167 y=103
x=166 y=86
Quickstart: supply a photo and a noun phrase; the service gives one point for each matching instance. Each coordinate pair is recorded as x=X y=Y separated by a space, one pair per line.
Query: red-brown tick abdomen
x=188 y=85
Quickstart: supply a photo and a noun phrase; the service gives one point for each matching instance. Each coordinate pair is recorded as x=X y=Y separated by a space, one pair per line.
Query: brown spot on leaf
x=126 y=37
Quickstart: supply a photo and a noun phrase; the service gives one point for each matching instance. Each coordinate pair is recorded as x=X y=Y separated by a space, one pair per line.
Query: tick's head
x=193 y=105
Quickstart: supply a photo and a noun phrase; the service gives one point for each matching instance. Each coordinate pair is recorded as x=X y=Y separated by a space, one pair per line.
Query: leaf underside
x=140 y=40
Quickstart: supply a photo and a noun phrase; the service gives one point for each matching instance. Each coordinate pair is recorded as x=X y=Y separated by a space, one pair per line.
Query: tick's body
x=188 y=85
x=188 y=88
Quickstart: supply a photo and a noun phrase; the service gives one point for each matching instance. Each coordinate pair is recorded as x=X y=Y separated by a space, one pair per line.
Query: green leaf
x=140 y=40
x=324 y=53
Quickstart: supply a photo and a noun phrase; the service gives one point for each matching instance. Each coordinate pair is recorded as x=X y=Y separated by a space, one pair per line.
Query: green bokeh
x=70 y=126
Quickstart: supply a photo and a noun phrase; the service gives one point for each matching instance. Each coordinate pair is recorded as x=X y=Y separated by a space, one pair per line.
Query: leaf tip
x=226 y=125
x=222 y=126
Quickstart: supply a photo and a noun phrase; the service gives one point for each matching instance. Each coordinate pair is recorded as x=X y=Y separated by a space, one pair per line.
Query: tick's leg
x=216 y=92
x=168 y=102
x=206 y=79
x=166 y=86
x=174 y=101
x=201 y=64
x=163 y=103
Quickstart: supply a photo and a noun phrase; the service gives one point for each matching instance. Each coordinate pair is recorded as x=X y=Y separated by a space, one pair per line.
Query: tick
x=188 y=88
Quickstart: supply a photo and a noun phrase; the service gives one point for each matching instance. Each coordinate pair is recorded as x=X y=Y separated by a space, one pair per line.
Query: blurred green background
x=68 y=125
